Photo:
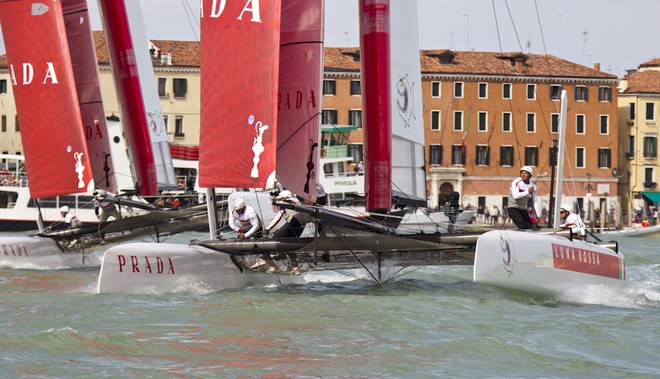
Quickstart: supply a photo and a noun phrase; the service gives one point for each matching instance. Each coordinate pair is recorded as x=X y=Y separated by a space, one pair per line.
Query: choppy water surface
x=437 y=323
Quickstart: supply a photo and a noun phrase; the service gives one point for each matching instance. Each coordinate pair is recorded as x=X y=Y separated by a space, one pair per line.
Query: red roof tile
x=187 y=53
x=647 y=81
x=652 y=63
x=184 y=53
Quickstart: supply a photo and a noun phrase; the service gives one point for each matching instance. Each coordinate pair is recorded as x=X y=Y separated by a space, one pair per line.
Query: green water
x=438 y=323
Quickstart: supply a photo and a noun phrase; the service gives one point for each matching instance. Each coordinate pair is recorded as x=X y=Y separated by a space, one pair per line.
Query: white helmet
x=286 y=194
x=528 y=169
x=100 y=193
x=239 y=203
x=566 y=207
x=64 y=209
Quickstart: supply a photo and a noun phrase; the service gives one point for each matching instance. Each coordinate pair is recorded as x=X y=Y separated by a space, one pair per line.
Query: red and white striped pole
x=124 y=67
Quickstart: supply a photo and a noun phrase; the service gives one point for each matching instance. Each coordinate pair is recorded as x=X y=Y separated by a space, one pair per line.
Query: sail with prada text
x=239 y=89
x=298 y=106
x=86 y=74
x=56 y=156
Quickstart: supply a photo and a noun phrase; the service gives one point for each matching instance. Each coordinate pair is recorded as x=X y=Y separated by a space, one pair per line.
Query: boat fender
x=612 y=245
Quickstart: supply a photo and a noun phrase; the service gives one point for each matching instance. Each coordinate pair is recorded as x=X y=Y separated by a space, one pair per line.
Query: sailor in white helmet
x=104 y=206
x=70 y=220
x=294 y=225
x=243 y=219
x=285 y=196
x=521 y=192
x=572 y=221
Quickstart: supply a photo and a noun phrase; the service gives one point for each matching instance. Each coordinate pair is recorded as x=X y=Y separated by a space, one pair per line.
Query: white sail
x=154 y=113
x=408 y=174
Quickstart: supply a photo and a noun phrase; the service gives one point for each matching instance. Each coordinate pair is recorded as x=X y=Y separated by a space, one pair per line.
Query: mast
x=127 y=81
x=560 y=155
x=375 y=62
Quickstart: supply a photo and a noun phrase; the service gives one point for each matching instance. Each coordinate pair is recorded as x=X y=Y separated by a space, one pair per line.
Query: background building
x=639 y=106
x=485 y=115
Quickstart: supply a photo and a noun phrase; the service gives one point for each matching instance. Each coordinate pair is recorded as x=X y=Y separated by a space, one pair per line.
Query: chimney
x=597 y=66
x=518 y=65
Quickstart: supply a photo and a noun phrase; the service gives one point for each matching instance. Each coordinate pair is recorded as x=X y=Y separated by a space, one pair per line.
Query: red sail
x=299 y=101
x=375 y=53
x=239 y=71
x=56 y=155
x=86 y=73
x=127 y=81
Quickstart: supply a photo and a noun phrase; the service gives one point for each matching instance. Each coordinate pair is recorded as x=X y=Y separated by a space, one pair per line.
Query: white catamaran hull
x=41 y=253
x=141 y=268
x=544 y=264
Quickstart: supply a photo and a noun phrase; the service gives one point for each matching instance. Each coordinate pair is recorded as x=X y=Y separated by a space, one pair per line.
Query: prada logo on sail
x=14 y=251
x=218 y=6
x=147 y=265
x=288 y=100
x=45 y=74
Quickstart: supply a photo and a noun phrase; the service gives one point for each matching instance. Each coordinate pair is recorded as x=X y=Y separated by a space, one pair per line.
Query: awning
x=653 y=197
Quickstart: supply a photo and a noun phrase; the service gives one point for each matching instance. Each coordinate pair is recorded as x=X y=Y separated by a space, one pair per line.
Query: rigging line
x=497 y=26
x=299 y=128
x=567 y=162
x=346 y=136
x=447 y=111
x=187 y=9
x=514 y=26
x=343 y=241
x=557 y=104
x=504 y=64
x=547 y=59
x=545 y=121
x=515 y=130
x=545 y=49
